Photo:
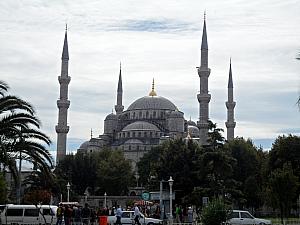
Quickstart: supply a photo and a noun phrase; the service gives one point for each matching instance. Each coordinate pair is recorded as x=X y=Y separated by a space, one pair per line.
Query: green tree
x=2 y=189
x=114 y=173
x=246 y=171
x=214 y=213
x=283 y=186
x=20 y=135
x=285 y=150
x=98 y=172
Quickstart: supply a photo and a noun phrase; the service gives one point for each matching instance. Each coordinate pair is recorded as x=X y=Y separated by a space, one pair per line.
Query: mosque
x=149 y=120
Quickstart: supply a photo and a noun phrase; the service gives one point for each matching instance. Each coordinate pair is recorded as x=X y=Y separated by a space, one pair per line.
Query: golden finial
x=204 y=15
x=66 y=27
x=91 y=133
x=152 y=92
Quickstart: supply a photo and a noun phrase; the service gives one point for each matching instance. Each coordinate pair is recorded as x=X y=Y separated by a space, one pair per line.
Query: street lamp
x=68 y=189
x=105 y=199
x=171 y=210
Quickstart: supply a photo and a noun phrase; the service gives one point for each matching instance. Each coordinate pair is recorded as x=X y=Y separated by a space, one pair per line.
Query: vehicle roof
x=236 y=210
x=30 y=206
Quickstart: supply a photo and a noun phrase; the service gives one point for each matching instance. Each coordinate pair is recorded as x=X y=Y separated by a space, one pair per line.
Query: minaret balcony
x=202 y=124
x=230 y=124
x=62 y=129
x=202 y=97
x=230 y=105
x=203 y=71
x=63 y=103
x=64 y=79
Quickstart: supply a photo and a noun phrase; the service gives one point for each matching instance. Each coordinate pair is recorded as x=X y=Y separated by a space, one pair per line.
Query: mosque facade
x=149 y=120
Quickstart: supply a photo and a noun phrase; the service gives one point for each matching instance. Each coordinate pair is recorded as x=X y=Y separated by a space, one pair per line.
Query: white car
x=128 y=219
x=237 y=217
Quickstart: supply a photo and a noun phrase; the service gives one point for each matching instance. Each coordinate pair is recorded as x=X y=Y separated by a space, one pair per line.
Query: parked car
x=28 y=214
x=128 y=217
x=237 y=217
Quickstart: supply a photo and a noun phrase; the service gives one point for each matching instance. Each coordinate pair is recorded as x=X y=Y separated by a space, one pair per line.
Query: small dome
x=152 y=102
x=191 y=123
x=176 y=114
x=133 y=142
x=111 y=117
x=194 y=131
x=84 y=145
x=140 y=125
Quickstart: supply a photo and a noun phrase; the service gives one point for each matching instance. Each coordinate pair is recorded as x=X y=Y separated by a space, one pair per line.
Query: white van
x=29 y=214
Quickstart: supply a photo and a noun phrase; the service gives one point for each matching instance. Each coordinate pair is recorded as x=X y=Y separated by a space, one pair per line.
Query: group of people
x=137 y=215
x=183 y=214
x=75 y=215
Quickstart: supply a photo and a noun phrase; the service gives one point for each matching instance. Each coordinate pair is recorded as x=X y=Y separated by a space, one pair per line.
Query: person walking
x=190 y=214
x=59 y=214
x=119 y=215
x=86 y=214
x=137 y=214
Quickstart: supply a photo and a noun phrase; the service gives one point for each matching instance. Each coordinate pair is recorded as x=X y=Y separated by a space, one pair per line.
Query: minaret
x=119 y=107
x=63 y=103
x=203 y=96
x=230 y=104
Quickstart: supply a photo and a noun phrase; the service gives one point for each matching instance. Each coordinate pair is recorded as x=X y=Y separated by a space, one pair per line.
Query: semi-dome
x=194 y=131
x=152 y=102
x=133 y=142
x=84 y=145
x=191 y=123
x=111 y=117
x=176 y=114
x=140 y=125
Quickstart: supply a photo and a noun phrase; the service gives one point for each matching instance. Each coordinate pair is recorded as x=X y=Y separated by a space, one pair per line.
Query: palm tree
x=20 y=137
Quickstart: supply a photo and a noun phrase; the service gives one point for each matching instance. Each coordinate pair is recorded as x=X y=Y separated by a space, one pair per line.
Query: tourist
x=136 y=214
x=119 y=215
x=59 y=214
x=86 y=214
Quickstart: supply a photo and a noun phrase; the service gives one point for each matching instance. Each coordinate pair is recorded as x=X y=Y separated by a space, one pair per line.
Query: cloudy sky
x=160 y=39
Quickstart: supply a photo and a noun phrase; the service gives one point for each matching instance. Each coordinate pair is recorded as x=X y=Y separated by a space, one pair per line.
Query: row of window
x=146 y=115
x=133 y=134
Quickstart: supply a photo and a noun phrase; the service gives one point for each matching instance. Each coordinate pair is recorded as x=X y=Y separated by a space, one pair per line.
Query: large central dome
x=152 y=102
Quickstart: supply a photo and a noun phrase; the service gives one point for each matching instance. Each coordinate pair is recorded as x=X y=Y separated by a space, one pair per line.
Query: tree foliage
x=2 y=189
x=20 y=135
x=214 y=213
x=283 y=186
x=97 y=172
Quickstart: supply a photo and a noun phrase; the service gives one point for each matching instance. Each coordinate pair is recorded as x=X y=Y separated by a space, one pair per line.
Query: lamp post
x=105 y=199
x=171 y=209
x=68 y=189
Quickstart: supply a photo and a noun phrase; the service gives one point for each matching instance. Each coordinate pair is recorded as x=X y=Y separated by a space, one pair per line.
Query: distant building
x=151 y=119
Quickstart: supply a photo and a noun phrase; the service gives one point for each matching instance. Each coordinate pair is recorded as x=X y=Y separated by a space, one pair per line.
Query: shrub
x=214 y=213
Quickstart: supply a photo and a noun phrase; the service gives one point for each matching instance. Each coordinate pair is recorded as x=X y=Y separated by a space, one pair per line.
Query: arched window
x=145 y=134
x=154 y=114
x=140 y=115
x=139 y=134
x=133 y=134
x=147 y=114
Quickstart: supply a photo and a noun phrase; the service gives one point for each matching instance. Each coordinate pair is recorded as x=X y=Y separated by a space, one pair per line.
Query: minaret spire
x=119 y=107
x=230 y=104
x=152 y=92
x=203 y=96
x=63 y=103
